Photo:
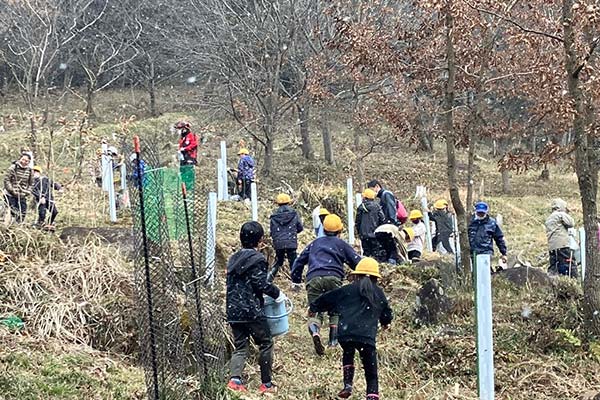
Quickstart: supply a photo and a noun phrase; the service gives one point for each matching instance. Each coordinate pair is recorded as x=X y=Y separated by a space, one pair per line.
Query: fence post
x=211 y=237
x=254 y=200
x=582 y=240
x=485 y=339
x=350 y=206
x=225 y=187
x=457 y=249
x=104 y=160
x=428 y=238
x=358 y=199
x=220 y=190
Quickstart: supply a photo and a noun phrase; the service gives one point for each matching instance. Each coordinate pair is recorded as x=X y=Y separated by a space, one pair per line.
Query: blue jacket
x=387 y=200
x=483 y=233
x=325 y=256
x=285 y=227
x=246 y=168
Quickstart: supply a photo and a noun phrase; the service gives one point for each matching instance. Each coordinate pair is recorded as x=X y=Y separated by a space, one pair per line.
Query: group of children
x=354 y=310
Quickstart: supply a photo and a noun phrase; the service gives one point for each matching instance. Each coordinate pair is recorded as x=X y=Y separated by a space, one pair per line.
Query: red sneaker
x=264 y=389
x=236 y=386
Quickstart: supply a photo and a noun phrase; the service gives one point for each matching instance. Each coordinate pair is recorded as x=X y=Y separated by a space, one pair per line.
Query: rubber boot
x=333 y=333
x=372 y=397
x=348 y=379
x=313 y=329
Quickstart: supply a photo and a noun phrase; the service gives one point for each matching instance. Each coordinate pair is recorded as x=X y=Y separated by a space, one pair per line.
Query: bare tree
x=35 y=33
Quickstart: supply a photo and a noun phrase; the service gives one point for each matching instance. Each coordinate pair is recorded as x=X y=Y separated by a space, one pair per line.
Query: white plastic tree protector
x=485 y=339
x=220 y=189
x=211 y=237
x=350 y=210
x=254 y=200
x=225 y=187
x=428 y=238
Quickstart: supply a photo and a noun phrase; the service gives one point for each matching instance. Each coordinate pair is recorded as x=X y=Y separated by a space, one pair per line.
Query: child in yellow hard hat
x=362 y=305
x=285 y=225
x=415 y=247
x=325 y=257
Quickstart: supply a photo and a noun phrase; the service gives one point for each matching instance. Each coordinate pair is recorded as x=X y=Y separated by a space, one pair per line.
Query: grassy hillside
x=541 y=351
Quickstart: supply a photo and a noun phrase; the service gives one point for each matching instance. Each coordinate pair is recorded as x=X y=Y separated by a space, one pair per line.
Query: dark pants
x=18 y=207
x=315 y=288
x=414 y=254
x=43 y=209
x=246 y=189
x=443 y=238
x=388 y=245
x=370 y=247
x=260 y=333
x=368 y=356
x=282 y=254
x=560 y=260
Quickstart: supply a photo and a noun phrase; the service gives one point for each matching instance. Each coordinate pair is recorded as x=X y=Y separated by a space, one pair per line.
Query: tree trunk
x=451 y=144
x=360 y=160
x=425 y=143
x=471 y=169
x=506 y=181
x=268 y=145
x=545 y=175
x=152 y=91
x=587 y=174
x=89 y=100
x=33 y=138
x=303 y=115
x=327 y=138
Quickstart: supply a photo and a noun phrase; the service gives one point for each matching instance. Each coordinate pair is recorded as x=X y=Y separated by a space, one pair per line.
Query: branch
x=518 y=25
x=587 y=57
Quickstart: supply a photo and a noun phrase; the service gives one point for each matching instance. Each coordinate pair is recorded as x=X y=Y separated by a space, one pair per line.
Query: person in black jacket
x=444 y=226
x=369 y=216
x=284 y=227
x=246 y=285
x=361 y=306
x=43 y=193
x=387 y=200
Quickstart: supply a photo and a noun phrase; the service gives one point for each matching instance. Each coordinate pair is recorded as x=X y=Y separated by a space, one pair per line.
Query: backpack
x=401 y=212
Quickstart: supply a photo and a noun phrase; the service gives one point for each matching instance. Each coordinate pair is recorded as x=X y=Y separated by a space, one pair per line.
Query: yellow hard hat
x=440 y=204
x=369 y=194
x=243 y=150
x=415 y=214
x=410 y=232
x=283 y=198
x=323 y=211
x=38 y=169
x=333 y=223
x=367 y=266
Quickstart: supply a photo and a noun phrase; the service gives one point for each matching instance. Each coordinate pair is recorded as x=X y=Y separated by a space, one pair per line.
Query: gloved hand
x=296 y=287
x=281 y=298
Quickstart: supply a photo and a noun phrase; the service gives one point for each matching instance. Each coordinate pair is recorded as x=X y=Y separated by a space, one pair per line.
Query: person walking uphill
x=325 y=257
x=557 y=231
x=368 y=217
x=245 y=173
x=444 y=227
x=17 y=186
x=361 y=306
x=484 y=231
x=246 y=284
x=188 y=144
x=43 y=193
x=415 y=247
x=387 y=202
x=284 y=228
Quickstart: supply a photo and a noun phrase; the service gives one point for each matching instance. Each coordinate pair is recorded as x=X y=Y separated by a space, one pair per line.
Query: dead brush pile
x=81 y=294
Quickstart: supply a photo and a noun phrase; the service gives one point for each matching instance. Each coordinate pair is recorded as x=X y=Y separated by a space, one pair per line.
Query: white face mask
x=480 y=217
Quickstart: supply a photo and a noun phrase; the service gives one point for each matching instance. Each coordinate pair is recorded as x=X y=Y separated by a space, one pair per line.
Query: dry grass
x=81 y=294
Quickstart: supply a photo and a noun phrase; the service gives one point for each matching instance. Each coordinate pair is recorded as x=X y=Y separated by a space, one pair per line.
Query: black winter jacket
x=44 y=187
x=246 y=284
x=443 y=222
x=358 y=319
x=285 y=226
x=388 y=205
x=369 y=216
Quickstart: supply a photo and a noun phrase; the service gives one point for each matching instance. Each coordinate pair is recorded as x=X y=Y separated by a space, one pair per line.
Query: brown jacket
x=18 y=180
x=557 y=226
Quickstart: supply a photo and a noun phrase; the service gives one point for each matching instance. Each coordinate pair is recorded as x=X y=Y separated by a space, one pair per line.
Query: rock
x=431 y=303
x=122 y=237
x=444 y=267
x=522 y=276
